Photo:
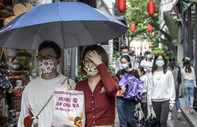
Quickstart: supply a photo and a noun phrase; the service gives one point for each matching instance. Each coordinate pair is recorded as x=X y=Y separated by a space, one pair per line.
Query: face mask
x=160 y=63
x=90 y=69
x=124 y=66
x=15 y=66
x=46 y=66
x=125 y=54
x=149 y=56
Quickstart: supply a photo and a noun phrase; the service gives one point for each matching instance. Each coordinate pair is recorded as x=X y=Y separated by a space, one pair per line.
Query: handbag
x=69 y=108
x=181 y=92
x=30 y=119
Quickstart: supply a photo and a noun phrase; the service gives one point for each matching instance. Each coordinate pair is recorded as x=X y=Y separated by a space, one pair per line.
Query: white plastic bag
x=69 y=108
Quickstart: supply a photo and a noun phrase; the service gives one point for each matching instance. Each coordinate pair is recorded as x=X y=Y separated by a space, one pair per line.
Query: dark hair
x=100 y=50
x=171 y=63
x=124 y=47
x=50 y=44
x=187 y=65
x=127 y=58
x=147 y=52
x=154 y=68
x=141 y=69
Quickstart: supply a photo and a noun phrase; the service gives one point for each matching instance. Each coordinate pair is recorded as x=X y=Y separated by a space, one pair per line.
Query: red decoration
x=3 y=1
x=150 y=28
x=151 y=7
x=121 y=5
x=132 y=27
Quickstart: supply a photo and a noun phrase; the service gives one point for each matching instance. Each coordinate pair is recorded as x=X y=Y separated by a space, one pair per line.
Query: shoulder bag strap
x=49 y=99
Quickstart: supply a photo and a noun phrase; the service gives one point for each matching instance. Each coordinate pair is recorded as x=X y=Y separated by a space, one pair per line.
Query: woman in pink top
x=99 y=88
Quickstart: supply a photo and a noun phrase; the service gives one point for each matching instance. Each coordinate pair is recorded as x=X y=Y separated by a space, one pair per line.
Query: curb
x=191 y=118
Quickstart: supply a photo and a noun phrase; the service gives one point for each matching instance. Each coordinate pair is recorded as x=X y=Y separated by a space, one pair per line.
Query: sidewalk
x=191 y=118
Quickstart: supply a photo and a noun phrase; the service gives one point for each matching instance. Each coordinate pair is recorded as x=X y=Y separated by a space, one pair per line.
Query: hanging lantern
x=151 y=7
x=132 y=27
x=3 y=1
x=121 y=5
x=150 y=28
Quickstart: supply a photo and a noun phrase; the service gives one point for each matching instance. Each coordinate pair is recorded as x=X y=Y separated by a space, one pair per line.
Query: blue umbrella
x=69 y=24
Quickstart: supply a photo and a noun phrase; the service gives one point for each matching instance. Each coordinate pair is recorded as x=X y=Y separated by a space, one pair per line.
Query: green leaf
x=171 y=25
x=156 y=26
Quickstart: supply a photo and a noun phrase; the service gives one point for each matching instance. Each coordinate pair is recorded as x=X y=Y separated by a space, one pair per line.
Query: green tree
x=137 y=14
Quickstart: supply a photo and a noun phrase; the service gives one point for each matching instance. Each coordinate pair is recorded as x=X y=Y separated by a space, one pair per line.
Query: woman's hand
x=95 y=58
x=123 y=90
x=170 y=107
x=68 y=87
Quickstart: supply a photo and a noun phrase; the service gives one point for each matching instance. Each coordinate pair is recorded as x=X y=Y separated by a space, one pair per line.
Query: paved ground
x=173 y=121
x=191 y=118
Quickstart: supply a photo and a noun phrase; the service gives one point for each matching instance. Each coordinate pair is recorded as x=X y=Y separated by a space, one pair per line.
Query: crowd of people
x=103 y=93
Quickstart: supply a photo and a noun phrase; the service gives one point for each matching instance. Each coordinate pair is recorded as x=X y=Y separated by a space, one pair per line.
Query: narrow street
x=175 y=122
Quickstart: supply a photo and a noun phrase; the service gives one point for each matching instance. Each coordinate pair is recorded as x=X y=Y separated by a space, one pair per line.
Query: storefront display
x=14 y=76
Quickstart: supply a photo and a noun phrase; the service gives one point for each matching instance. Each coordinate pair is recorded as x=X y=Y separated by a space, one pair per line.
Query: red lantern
x=150 y=28
x=3 y=1
x=121 y=5
x=132 y=27
x=151 y=7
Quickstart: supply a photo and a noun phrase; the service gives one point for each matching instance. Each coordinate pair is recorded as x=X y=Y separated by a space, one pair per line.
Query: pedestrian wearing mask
x=125 y=51
x=37 y=98
x=161 y=90
x=147 y=62
x=176 y=71
x=99 y=88
x=189 y=82
x=125 y=107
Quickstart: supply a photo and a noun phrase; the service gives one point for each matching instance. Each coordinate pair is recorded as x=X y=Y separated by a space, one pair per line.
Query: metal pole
x=73 y=62
x=195 y=39
x=184 y=30
x=190 y=47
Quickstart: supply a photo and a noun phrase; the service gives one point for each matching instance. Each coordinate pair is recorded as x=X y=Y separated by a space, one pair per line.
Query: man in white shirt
x=125 y=51
x=147 y=62
x=38 y=91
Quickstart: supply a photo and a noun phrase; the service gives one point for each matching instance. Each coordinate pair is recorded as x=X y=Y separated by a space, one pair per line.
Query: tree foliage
x=137 y=14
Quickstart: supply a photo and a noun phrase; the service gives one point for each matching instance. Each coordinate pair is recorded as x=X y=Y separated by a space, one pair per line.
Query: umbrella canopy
x=69 y=24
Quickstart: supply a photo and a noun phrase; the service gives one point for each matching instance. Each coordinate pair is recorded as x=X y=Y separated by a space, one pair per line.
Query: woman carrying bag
x=161 y=90
x=125 y=107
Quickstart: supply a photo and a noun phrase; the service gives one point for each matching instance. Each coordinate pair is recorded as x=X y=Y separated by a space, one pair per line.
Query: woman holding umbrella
x=99 y=88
